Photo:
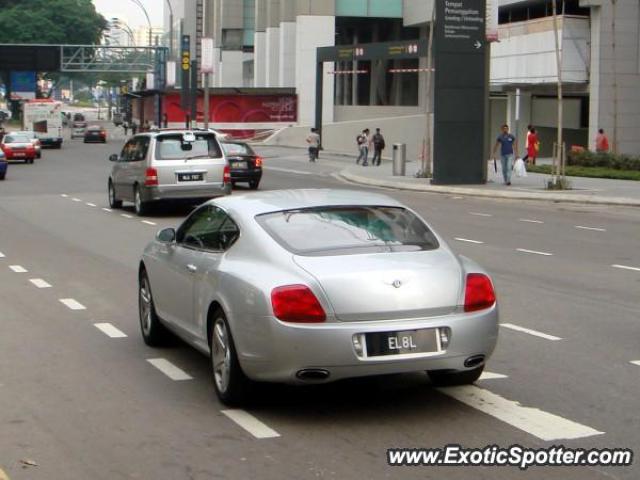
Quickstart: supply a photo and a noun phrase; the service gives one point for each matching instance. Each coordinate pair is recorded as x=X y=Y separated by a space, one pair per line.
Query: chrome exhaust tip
x=313 y=374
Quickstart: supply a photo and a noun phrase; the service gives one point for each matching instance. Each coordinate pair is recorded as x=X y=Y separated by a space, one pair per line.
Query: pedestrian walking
x=314 y=144
x=363 y=147
x=533 y=147
x=508 y=147
x=378 y=147
x=134 y=127
x=125 y=126
x=602 y=142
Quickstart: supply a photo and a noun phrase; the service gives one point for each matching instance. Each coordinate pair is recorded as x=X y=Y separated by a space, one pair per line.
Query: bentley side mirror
x=166 y=235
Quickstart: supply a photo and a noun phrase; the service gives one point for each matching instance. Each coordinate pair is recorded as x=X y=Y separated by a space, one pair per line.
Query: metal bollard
x=399 y=159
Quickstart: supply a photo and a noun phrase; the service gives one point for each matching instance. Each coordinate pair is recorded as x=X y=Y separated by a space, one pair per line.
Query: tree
x=50 y=22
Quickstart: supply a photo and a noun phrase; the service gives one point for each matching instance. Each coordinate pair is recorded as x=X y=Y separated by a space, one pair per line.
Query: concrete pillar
x=272 y=50
x=287 y=60
x=313 y=31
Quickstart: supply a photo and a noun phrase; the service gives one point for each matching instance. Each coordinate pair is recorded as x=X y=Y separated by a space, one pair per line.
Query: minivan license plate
x=190 y=177
x=398 y=343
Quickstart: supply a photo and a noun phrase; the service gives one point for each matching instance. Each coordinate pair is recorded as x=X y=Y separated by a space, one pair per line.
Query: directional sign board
x=461 y=89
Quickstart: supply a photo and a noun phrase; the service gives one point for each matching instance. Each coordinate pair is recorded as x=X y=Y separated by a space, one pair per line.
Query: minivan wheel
x=448 y=378
x=231 y=384
x=141 y=207
x=113 y=201
x=154 y=333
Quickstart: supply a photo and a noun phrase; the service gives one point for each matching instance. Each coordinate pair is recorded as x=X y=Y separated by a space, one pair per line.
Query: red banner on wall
x=238 y=108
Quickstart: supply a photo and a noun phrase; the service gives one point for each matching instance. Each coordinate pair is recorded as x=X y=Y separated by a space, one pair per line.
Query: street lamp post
x=144 y=10
x=170 y=29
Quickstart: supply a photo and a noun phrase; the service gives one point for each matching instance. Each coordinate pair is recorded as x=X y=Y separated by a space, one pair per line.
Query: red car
x=18 y=146
x=95 y=133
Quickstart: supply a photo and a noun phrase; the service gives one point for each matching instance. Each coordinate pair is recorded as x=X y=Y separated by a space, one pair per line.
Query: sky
x=131 y=13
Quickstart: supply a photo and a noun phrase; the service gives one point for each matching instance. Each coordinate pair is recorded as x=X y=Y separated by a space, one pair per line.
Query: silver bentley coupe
x=310 y=286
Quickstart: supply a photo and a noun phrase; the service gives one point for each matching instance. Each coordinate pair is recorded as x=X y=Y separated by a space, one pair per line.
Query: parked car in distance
x=17 y=146
x=35 y=140
x=312 y=286
x=95 y=133
x=168 y=165
x=245 y=164
x=3 y=165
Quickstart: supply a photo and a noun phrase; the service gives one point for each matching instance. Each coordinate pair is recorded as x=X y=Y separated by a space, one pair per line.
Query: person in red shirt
x=533 y=146
x=602 y=142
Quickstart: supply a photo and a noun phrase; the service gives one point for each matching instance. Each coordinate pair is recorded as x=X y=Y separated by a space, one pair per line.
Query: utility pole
x=558 y=162
x=426 y=157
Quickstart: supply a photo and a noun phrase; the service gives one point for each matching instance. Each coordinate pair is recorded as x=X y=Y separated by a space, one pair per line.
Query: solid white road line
x=18 y=268
x=169 y=369
x=479 y=214
x=543 y=425
x=110 y=330
x=492 y=376
x=527 y=220
x=76 y=199
x=126 y=215
x=533 y=252
x=40 y=283
x=251 y=424
x=468 y=240
x=288 y=170
x=635 y=362
x=594 y=229
x=72 y=304
x=625 y=267
x=107 y=210
x=90 y=204
x=148 y=222
x=535 y=333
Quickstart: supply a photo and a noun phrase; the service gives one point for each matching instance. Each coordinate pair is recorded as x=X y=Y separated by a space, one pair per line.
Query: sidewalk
x=598 y=191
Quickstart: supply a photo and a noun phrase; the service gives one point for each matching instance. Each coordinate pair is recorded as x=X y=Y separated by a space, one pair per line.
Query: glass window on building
x=369 y=8
x=249 y=22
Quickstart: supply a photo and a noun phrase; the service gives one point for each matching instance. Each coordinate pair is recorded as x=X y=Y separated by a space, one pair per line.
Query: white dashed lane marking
x=251 y=424
x=110 y=330
x=528 y=220
x=148 y=222
x=2 y=255
x=535 y=333
x=76 y=199
x=107 y=210
x=40 y=283
x=126 y=215
x=533 y=252
x=492 y=376
x=288 y=170
x=635 y=362
x=169 y=369
x=72 y=304
x=543 y=425
x=593 y=229
x=467 y=240
x=64 y=195
x=18 y=268
x=480 y=214
x=625 y=267
x=88 y=204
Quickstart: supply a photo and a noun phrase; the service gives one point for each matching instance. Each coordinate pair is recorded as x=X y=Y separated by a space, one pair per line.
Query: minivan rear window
x=348 y=230
x=172 y=147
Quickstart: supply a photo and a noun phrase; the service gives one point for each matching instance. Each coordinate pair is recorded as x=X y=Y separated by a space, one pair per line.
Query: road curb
x=549 y=197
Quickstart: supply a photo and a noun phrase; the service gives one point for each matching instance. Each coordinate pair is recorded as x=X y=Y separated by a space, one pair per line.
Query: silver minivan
x=168 y=165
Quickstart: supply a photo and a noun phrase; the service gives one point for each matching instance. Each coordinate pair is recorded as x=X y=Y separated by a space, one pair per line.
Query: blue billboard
x=23 y=85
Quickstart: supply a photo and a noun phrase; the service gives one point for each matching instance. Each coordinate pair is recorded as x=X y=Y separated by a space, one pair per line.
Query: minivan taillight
x=296 y=304
x=259 y=161
x=151 y=177
x=478 y=293
x=226 y=176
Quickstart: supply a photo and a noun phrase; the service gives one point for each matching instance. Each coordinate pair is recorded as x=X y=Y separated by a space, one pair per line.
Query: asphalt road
x=80 y=398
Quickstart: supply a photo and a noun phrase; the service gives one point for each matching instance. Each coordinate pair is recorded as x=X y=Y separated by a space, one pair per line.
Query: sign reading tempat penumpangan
x=461 y=88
